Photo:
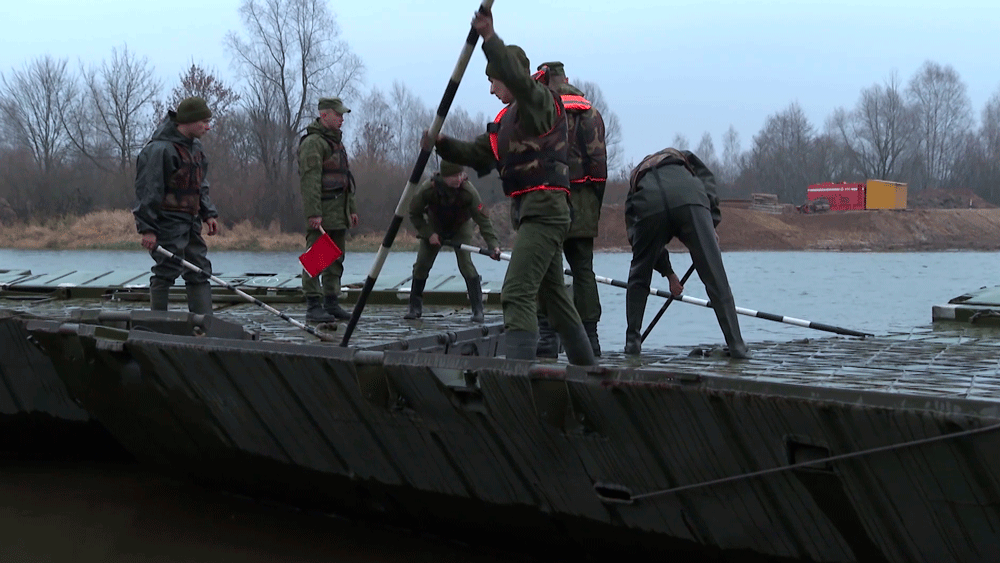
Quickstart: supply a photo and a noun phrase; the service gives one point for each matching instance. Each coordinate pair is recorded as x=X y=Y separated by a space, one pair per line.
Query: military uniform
x=172 y=200
x=672 y=194
x=588 y=171
x=438 y=208
x=527 y=144
x=327 y=188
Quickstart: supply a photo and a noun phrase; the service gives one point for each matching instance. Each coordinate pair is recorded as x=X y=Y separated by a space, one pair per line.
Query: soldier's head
x=193 y=118
x=552 y=73
x=497 y=87
x=331 y=112
x=452 y=174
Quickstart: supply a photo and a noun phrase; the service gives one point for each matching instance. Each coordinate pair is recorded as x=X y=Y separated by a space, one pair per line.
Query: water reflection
x=89 y=512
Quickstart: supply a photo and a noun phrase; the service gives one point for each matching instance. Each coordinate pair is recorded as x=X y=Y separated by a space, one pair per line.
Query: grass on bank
x=115 y=230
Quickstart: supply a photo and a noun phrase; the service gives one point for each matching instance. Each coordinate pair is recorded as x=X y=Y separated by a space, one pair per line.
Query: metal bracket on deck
x=613 y=493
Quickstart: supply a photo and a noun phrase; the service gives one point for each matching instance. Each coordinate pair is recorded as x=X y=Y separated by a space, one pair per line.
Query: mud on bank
x=741 y=229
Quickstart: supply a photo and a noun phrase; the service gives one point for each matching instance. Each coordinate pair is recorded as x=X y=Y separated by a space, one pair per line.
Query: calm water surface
x=870 y=292
x=86 y=512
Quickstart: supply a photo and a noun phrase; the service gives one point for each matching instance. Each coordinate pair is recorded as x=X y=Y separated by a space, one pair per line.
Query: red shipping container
x=842 y=196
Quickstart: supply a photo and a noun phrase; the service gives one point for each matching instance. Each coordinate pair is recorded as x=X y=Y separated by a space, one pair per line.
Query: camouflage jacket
x=167 y=181
x=588 y=161
x=315 y=148
x=538 y=111
x=439 y=208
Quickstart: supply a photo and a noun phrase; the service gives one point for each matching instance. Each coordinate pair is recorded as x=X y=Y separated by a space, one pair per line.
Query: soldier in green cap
x=328 y=201
x=588 y=171
x=443 y=209
x=528 y=145
x=172 y=202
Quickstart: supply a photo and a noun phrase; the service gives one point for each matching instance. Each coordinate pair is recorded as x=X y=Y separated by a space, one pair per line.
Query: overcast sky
x=665 y=67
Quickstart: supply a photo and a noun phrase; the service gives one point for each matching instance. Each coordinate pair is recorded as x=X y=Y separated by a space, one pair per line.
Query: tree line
x=70 y=135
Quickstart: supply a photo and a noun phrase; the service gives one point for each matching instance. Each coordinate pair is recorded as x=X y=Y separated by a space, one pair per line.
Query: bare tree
x=781 y=159
x=879 y=134
x=612 y=125
x=944 y=116
x=32 y=106
x=706 y=152
x=680 y=143
x=729 y=167
x=197 y=81
x=123 y=92
x=290 y=56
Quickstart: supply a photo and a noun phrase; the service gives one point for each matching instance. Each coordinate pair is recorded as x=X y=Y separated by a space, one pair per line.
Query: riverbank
x=741 y=229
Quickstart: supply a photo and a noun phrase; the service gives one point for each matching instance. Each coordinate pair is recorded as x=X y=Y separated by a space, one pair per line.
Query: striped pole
x=418 y=171
x=696 y=301
x=321 y=335
x=663 y=309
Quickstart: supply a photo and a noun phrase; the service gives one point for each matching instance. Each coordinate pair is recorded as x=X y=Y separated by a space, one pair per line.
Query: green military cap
x=449 y=168
x=554 y=68
x=192 y=109
x=336 y=104
x=517 y=54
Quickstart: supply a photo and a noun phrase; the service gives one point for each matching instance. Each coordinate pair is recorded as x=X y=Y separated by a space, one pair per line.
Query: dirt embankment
x=741 y=229
x=875 y=230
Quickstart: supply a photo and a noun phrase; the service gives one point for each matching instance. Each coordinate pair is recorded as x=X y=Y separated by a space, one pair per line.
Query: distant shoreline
x=903 y=230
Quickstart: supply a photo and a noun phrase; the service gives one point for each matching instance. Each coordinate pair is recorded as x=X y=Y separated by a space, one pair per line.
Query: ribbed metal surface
x=570 y=452
x=28 y=381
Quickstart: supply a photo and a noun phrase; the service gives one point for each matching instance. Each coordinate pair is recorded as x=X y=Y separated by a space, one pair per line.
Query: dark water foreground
x=119 y=512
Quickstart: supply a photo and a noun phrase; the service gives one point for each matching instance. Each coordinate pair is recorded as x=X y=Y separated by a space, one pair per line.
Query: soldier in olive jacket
x=528 y=145
x=443 y=210
x=588 y=171
x=328 y=203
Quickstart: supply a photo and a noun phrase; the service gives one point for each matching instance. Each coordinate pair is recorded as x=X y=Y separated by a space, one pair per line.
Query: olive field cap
x=336 y=104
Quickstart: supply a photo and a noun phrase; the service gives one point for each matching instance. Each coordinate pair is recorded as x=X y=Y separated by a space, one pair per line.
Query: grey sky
x=665 y=67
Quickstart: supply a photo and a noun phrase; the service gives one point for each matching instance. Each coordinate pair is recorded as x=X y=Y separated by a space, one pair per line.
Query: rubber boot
x=633 y=330
x=159 y=294
x=332 y=306
x=315 y=313
x=520 y=344
x=474 y=285
x=548 y=339
x=577 y=346
x=199 y=298
x=595 y=343
x=416 y=299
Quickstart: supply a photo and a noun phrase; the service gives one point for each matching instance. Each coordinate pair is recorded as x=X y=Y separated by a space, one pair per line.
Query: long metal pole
x=696 y=301
x=418 y=170
x=321 y=335
x=663 y=309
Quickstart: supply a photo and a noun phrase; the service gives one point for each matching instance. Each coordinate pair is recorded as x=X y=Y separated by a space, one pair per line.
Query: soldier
x=527 y=144
x=172 y=201
x=443 y=209
x=672 y=194
x=588 y=173
x=328 y=201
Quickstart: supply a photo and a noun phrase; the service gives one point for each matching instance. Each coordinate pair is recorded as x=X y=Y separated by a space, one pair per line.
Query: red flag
x=321 y=254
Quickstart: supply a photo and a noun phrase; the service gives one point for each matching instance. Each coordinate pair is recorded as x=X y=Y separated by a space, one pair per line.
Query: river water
x=76 y=511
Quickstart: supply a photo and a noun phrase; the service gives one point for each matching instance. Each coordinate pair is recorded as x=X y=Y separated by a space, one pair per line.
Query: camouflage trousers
x=535 y=276
x=580 y=256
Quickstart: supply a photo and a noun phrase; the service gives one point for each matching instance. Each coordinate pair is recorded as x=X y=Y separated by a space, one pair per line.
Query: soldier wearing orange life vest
x=588 y=171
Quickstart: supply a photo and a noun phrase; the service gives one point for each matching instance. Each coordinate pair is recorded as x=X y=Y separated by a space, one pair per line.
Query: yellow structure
x=883 y=194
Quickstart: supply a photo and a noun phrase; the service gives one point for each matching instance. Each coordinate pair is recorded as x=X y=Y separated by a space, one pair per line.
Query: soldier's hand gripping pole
x=321 y=335
x=418 y=170
x=696 y=301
